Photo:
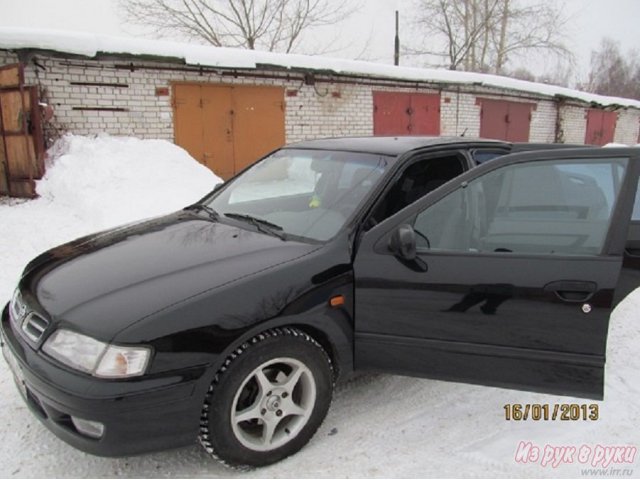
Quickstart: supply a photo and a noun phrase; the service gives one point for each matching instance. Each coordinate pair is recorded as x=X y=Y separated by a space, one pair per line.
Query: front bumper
x=140 y=415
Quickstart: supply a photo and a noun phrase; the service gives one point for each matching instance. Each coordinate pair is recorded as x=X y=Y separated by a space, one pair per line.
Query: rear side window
x=551 y=207
x=482 y=156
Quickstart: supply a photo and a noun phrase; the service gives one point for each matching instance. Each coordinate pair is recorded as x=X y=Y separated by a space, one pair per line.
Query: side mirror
x=403 y=242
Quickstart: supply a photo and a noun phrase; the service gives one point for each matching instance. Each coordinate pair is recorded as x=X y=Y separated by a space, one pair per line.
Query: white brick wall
x=627 y=127
x=459 y=114
x=320 y=110
x=573 y=124
x=315 y=112
x=543 y=122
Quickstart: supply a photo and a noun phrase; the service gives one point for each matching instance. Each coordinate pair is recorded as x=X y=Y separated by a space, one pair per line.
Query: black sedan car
x=231 y=320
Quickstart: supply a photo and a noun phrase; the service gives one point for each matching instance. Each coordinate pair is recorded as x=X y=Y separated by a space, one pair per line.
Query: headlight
x=76 y=350
x=97 y=358
x=17 y=308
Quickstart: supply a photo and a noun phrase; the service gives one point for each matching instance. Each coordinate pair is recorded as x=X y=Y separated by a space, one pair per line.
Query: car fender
x=331 y=327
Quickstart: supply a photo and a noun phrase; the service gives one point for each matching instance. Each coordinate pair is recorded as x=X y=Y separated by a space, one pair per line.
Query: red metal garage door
x=503 y=120
x=601 y=127
x=406 y=113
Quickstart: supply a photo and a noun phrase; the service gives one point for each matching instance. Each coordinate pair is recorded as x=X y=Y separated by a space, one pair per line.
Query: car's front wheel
x=268 y=399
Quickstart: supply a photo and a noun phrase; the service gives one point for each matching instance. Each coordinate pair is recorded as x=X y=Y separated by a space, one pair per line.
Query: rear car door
x=515 y=272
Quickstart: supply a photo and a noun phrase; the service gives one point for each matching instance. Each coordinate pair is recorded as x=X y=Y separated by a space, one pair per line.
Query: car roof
x=393 y=146
x=526 y=147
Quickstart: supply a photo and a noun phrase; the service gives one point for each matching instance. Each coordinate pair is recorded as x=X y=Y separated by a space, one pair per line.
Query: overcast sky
x=368 y=33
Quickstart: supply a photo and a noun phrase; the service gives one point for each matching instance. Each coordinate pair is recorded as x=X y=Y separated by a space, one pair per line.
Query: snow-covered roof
x=92 y=46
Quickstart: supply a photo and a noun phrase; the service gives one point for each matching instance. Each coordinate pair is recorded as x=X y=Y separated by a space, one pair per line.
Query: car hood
x=103 y=283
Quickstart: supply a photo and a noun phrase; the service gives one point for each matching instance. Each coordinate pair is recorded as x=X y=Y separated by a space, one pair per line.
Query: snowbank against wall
x=108 y=180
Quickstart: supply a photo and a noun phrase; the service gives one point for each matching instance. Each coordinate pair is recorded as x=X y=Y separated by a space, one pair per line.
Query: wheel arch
x=334 y=334
x=329 y=347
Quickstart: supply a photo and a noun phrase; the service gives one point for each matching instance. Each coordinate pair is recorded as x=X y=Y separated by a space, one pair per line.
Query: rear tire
x=267 y=400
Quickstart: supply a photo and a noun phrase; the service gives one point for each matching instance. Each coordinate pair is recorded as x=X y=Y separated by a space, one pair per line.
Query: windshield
x=305 y=193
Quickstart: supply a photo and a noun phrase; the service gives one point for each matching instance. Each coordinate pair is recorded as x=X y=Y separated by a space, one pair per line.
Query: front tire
x=267 y=400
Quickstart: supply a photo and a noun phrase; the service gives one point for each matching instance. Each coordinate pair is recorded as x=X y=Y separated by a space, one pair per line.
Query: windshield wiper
x=265 y=226
x=199 y=207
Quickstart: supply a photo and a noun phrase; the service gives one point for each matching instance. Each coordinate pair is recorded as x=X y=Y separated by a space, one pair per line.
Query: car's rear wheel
x=268 y=399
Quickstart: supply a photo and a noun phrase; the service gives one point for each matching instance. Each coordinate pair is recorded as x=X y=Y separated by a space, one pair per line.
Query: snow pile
x=107 y=180
x=92 y=45
x=617 y=145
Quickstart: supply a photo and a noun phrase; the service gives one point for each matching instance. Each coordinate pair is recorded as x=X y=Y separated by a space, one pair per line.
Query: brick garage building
x=228 y=107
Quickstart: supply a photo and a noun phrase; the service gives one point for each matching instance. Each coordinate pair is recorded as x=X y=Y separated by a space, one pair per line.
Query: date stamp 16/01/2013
x=551 y=412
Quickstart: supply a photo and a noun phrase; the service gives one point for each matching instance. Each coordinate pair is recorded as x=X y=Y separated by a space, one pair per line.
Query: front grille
x=34 y=326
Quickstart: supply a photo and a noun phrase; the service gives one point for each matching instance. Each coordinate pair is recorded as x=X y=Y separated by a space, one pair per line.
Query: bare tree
x=483 y=35
x=530 y=27
x=273 y=25
x=614 y=73
x=461 y=26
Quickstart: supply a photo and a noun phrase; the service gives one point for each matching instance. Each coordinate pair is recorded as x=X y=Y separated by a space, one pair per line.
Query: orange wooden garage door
x=227 y=128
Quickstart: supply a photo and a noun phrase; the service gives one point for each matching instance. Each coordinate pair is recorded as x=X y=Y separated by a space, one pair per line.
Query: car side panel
x=479 y=364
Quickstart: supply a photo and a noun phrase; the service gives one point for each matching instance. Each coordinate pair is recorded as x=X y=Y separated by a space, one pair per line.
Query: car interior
x=420 y=178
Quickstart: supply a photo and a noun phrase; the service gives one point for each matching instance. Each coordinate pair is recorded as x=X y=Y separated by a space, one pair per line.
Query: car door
x=511 y=276
x=630 y=275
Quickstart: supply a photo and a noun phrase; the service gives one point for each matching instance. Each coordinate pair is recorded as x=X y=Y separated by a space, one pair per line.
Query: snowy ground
x=378 y=425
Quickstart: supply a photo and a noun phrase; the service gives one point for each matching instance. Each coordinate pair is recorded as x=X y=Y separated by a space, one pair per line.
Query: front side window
x=549 y=207
x=303 y=193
